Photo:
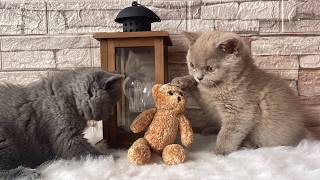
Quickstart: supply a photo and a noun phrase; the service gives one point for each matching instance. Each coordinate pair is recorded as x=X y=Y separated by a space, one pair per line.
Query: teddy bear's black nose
x=179 y=99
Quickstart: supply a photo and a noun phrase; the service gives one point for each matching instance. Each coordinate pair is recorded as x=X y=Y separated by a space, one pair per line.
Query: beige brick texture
x=220 y=11
x=28 y=59
x=310 y=61
x=309 y=82
x=41 y=36
x=286 y=45
x=260 y=10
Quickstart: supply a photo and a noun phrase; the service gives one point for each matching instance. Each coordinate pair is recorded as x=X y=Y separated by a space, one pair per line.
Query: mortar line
x=0 y=53
x=55 y=58
x=299 y=70
x=298 y=79
x=188 y=16
x=47 y=17
x=91 y=53
x=282 y=16
x=29 y=69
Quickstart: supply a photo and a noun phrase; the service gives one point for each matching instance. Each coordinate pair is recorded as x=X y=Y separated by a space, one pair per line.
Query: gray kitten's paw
x=182 y=82
x=102 y=147
x=28 y=174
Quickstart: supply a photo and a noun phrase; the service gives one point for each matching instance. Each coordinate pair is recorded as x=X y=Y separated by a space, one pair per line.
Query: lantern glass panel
x=138 y=66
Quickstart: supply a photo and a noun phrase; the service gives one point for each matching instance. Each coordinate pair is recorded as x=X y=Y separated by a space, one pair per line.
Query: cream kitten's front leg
x=184 y=82
x=231 y=135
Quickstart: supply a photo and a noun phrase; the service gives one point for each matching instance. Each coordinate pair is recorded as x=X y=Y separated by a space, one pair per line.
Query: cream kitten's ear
x=230 y=46
x=191 y=36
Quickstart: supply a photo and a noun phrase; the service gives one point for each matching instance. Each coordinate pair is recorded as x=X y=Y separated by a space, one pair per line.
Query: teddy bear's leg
x=139 y=153
x=173 y=154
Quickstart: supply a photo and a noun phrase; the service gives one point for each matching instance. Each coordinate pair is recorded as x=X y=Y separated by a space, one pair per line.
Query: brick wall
x=37 y=36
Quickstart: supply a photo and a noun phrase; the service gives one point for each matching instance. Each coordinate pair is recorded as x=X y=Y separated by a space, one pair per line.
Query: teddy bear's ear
x=155 y=89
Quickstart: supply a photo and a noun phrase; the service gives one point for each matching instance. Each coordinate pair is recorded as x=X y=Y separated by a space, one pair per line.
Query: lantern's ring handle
x=135 y=3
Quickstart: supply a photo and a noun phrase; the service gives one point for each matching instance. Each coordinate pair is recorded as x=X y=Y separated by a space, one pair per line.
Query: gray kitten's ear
x=112 y=83
x=229 y=46
x=191 y=36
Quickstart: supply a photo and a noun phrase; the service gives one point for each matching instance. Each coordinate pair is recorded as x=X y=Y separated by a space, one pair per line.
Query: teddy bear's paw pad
x=173 y=154
x=139 y=153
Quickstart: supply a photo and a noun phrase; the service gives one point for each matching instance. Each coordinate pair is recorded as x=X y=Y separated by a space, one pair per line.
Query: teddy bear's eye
x=181 y=94
x=170 y=93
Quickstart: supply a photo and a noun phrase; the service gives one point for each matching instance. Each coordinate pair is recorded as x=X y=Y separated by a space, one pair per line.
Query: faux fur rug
x=283 y=163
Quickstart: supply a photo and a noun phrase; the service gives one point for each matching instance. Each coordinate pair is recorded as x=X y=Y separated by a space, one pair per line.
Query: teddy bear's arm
x=143 y=120
x=185 y=131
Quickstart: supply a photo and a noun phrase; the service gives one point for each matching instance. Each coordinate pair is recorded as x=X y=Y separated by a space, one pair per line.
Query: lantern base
x=124 y=139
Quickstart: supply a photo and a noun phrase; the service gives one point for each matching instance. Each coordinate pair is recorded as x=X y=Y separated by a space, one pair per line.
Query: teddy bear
x=165 y=120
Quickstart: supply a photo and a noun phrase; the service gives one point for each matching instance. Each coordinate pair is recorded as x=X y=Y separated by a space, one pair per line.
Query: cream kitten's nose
x=198 y=76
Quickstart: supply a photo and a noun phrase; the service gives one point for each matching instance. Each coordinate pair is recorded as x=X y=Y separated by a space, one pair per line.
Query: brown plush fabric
x=143 y=120
x=140 y=152
x=164 y=123
x=173 y=154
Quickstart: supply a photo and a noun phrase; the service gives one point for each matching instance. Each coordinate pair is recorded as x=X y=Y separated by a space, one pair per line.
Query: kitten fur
x=45 y=120
x=252 y=107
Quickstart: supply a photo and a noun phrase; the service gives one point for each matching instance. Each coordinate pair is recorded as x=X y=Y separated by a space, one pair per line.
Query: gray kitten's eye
x=209 y=68
x=90 y=93
x=191 y=65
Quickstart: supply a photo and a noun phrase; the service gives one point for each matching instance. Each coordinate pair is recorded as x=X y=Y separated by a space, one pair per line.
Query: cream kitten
x=252 y=107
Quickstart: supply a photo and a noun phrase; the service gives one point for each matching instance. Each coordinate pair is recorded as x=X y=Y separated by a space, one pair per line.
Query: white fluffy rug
x=283 y=163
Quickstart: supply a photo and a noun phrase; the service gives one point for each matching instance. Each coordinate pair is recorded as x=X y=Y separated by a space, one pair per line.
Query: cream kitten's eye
x=191 y=65
x=210 y=68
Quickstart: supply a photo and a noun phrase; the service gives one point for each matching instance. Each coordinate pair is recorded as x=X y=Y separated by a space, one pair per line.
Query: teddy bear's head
x=167 y=96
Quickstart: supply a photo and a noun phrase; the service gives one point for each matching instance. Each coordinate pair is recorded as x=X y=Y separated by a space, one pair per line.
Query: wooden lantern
x=142 y=58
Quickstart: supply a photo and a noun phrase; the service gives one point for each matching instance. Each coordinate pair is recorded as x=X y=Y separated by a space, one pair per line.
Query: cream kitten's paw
x=182 y=82
x=221 y=151
x=224 y=150
x=249 y=145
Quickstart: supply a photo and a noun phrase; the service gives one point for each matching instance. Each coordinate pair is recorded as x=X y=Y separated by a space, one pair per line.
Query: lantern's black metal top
x=136 y=18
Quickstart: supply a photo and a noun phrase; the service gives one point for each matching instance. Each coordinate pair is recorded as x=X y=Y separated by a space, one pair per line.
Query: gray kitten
x=45 y=120
x=252 y=107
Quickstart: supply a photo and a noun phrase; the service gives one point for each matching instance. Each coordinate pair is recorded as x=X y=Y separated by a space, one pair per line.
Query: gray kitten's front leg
x=233 y=131
x=20 y=173
x=184 y=82
x=66 y=130
x=71 y=143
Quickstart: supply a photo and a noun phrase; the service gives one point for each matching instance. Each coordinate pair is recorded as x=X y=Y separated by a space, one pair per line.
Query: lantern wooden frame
x=160 y=41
